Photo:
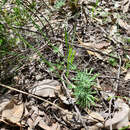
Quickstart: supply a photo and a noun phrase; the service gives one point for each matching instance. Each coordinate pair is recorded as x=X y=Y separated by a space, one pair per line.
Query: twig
x=34 y=96
x=42 y=99
x=70 y=99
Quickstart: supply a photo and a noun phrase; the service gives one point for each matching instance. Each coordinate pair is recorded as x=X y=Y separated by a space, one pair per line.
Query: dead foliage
x=35 y=95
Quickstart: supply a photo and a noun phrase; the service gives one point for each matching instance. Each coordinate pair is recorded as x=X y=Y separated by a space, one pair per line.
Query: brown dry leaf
x=97 y=126
x=55 y=126
x=61 y=50
x=43 y=125
x=128 y=31
x=122 y=23
x=113 y=30
x=125 y=5
x=46 y=88
x=127 y=77
x=98 y=46
x=94 y=45
x=4 y=100
x=35 y=117
x=96 y=116
x=65 y=100
x=67 y=117
x=13 y=112
x=107 y=93
x=51 y=2
x=30 y=124
x=35 y=56
x=120 y=118
x=98 y=86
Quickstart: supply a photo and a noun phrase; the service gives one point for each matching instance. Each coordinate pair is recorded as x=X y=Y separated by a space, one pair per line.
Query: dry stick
x=76 y=109
x=34 y=96
x=37 y=97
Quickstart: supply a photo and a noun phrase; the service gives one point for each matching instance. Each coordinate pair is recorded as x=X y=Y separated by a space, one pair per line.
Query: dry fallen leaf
x=35 y=117
x=55 y=126
x=44 y=126
x=97 y=126
x=30 y=124
x=127 y=77
x=107 y=94
x=120 y=118
x=98 y=46
x=51 y=2
x=4 y=100
x=113 y=30
x=13 y=112
x=96 y=116
x=125 y=5
x=46 y=88
x=128 y=31
x=122 y=24
x=61 y=50
x=65 y=100
x=94 y=45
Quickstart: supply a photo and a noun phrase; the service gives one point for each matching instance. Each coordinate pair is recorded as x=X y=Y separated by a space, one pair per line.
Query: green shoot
x=70 y=56
x=113 y=62
x=83 y=90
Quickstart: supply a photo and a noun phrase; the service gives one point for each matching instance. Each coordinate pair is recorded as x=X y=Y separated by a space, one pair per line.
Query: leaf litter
x=35 y=78
x=46 y=88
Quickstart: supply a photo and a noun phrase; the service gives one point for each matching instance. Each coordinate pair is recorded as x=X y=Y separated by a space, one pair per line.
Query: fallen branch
x=34 y=96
